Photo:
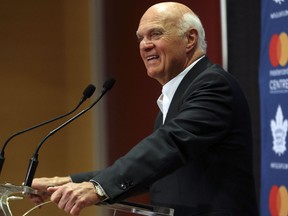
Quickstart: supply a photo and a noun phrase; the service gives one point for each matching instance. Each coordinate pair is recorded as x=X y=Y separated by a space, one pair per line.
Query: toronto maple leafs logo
x=279 y=1
x=279 y=128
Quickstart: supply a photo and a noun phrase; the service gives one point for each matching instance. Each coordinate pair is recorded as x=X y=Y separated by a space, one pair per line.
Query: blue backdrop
x=273 y=85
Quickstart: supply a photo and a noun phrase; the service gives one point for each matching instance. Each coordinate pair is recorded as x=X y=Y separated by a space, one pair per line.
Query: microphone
x=87 y=93
x=34 y=160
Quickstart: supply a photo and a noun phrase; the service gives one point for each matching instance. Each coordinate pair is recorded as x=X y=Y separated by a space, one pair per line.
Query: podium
x=13 y=192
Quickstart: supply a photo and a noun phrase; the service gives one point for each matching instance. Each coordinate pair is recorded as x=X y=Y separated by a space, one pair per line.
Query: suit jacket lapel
x=187 y=80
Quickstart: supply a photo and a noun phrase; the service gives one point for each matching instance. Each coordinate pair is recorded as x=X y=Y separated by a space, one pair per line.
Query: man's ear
x=192 y=38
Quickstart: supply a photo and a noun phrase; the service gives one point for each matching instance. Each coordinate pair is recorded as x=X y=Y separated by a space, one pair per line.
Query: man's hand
x=42 y=184
x=73 y=197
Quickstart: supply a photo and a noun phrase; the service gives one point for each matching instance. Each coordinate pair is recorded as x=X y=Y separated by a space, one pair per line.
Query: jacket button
x=123 y=186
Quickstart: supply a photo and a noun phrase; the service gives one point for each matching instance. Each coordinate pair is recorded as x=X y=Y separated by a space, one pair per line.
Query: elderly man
x=198 y=160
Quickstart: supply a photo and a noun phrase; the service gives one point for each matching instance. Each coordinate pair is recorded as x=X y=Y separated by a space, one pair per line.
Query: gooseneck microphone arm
x=87 y=93
x=34 y=160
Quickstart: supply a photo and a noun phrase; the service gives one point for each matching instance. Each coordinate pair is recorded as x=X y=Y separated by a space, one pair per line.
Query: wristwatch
x=99 y=191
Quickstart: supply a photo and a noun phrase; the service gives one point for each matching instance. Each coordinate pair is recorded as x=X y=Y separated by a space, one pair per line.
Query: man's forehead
x=157 y=21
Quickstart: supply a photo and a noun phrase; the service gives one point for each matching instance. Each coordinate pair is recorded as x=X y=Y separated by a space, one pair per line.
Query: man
x=198 y=160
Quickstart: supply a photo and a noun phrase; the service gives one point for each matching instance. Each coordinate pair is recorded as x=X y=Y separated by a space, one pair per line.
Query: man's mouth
x=149 y=58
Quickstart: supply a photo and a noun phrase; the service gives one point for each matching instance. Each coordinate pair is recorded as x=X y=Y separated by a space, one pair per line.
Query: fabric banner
x=273 y=85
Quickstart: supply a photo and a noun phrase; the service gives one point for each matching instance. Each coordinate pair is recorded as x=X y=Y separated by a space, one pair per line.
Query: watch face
x=99 y=191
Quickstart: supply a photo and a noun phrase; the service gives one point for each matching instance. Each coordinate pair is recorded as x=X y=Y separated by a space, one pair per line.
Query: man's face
x=162 y=49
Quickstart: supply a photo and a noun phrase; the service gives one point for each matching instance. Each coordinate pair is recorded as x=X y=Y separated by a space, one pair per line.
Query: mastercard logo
x=278 y=201
x=278 y=49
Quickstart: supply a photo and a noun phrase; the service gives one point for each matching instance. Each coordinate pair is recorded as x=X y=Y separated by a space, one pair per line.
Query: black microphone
x=87 y=93
x=34 y=160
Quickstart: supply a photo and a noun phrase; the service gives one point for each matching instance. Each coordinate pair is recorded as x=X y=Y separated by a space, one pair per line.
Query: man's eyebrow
x=150 y=30
x=157 y=29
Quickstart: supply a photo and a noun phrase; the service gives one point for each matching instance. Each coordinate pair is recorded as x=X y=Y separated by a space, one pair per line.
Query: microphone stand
x=34 y=160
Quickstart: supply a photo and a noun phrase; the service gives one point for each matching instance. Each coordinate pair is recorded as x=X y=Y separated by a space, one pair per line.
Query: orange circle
x=283 y=201
x=283 y=48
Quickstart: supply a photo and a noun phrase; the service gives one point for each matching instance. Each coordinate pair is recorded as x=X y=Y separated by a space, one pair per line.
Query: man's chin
x=155 y=76
x=151 y=74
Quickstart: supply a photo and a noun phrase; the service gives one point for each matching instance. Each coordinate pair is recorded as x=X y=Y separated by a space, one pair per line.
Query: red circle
x=274 y=49
x=274 y=201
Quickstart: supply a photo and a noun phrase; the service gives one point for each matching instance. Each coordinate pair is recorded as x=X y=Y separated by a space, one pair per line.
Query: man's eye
x=156 y=34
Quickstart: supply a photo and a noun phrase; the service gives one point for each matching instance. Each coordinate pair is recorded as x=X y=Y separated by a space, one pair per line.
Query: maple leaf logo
x=279 y=128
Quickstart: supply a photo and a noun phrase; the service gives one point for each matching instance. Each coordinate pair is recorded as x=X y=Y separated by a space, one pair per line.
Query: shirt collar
x=170 y=88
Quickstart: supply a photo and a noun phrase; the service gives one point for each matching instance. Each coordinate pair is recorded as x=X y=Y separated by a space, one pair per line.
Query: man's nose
x=146 y=43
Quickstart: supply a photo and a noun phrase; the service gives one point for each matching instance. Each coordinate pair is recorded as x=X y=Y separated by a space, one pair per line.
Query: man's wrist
x=99 y=191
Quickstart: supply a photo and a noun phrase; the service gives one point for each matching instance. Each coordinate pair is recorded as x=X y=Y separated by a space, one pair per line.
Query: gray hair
x=189 y=20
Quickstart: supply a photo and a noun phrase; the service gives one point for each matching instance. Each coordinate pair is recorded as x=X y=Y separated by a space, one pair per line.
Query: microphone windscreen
x=108 y=84
x=89 y=90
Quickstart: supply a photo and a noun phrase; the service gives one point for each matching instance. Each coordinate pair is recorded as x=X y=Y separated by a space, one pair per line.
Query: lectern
x=14 y=192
